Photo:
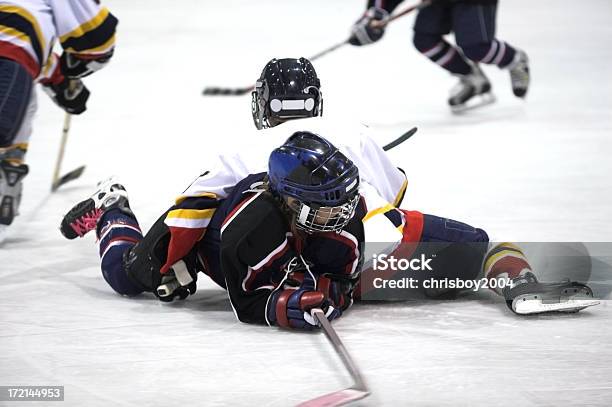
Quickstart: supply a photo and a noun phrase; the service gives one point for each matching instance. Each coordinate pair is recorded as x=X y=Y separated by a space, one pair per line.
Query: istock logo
x=383 y=262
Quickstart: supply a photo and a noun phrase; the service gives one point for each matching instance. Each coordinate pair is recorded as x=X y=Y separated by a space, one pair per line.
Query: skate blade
x=474 y=103
x=526 y=306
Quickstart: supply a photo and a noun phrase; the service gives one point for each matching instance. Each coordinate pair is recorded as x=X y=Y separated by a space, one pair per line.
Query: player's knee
x=438 y=229
x=114 y=272
x=425 y=42
x=476 y=52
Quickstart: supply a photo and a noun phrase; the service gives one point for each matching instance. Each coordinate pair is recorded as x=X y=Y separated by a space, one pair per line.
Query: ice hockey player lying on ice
x=282 y=243
x=185 y=235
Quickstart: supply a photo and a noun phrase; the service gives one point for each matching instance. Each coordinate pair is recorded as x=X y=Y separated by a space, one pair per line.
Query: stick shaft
x=400 y=139
x=328 y=50
x=60 y=155
x=340 y=349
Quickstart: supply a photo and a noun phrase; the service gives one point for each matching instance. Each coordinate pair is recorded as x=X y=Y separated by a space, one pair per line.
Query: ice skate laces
x=86 y=222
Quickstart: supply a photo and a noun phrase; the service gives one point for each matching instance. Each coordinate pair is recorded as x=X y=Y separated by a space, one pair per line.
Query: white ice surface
x=524 y=170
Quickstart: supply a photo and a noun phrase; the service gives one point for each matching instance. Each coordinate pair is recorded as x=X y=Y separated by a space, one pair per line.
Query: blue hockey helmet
x=287 y=89
x=318 y=182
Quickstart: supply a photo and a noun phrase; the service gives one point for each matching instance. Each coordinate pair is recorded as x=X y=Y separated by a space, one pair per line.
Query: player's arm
x=258 y=261
x=187 y=221
x=86 y=32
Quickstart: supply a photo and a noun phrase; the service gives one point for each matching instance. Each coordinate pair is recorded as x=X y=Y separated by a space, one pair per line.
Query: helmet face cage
x=313 y=218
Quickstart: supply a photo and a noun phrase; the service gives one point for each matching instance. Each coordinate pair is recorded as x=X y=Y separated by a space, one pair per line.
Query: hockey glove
x=363 y=32
x=290 y=307
x=79 y=66
x=179 y=282
x=69 y=94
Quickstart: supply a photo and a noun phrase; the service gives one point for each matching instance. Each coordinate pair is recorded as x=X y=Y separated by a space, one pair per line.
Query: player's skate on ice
x=525 y=295
x=519 y=74
x=473 y=90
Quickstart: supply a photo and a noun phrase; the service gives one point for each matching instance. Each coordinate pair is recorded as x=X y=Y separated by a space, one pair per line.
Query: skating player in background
x=28 y=31
x=473 y=24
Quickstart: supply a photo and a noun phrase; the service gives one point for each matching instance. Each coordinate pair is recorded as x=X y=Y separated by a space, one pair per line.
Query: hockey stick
x=358 y=390
x=69 y=176
x=400 y=139
x=220 y=91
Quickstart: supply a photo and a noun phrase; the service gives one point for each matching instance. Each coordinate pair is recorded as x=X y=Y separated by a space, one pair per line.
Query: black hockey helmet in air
x=287 y=89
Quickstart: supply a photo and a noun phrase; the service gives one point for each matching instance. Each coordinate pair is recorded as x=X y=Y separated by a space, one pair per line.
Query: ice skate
x=528 y=296
x=472 y=91
x=84 y=216
x=519 y=74
x=11 y=177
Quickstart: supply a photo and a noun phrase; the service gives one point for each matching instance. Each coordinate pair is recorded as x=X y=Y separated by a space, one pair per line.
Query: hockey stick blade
x=337 y=398
x=400 y=139
x=218 y=91
x=69 y=176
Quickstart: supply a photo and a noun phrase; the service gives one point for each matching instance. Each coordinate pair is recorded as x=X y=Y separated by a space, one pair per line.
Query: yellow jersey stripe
x=401 y=193
x=191 y=213
x=86 y=26
x=15 y=33
x=26 y=14
x=378 y=211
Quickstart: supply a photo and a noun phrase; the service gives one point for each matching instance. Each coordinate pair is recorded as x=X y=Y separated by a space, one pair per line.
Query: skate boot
x=85 y=215
x=11 y=177
x=525 y=295
x=473 y=90
x=519 y=74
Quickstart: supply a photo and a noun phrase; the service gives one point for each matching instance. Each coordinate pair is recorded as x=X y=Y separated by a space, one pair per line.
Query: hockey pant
x=474 y=29
x=17 y=108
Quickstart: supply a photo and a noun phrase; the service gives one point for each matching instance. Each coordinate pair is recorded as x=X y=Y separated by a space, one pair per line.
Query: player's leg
x=107 y=212
x=474 y=28
x=456 y=250
x=17 y=108
x=431 y=24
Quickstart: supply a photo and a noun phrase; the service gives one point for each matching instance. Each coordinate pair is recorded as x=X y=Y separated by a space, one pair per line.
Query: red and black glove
x=290 y=307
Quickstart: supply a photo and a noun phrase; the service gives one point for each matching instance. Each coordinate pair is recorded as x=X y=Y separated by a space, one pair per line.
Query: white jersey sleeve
x=29 y=30
x=84 y=27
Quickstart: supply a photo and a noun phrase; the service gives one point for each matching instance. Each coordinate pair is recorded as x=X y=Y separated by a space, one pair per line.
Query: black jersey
x=255 y=242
